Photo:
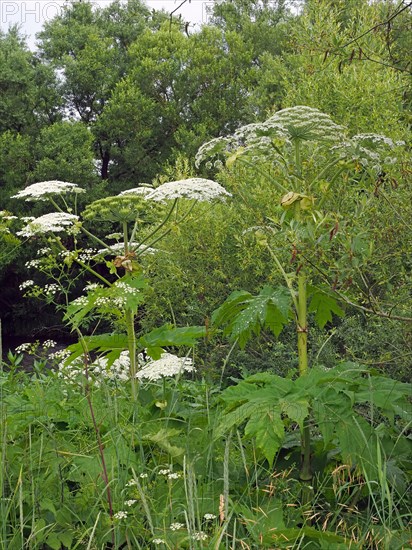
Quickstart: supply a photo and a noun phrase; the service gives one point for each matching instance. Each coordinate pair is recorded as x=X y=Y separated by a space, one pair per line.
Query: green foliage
x=349 y=405
x=64 y=152
x=244 y=314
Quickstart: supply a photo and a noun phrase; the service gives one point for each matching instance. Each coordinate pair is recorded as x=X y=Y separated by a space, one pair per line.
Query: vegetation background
x=120 y=95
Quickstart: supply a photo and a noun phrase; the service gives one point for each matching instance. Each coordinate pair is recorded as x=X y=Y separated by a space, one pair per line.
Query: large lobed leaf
x=243 y=314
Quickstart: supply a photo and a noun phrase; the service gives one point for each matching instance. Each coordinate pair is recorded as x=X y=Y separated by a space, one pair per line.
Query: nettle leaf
x=245 y=314
x=323 y=304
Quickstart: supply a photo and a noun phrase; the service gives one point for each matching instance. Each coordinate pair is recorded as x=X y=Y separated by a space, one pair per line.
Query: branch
x=382 y=24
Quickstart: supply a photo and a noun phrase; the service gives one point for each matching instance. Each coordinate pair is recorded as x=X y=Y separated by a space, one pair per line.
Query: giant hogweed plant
x=143 y=217
x=356 y=412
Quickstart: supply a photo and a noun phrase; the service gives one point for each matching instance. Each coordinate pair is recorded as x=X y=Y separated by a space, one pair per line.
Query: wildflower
x=307 y=124
x=120 y=515
x=193 y=188
x=158 y=541
x=54 y=221
x=40 y=191
x=49 y=344
x=131 y=482
x=130 y=502
x=209 y=517
x=143 y=476
x=59 y=355
x=200 y=535
x=164 y=472
x=116 y=248
x=51 y=289
x=43 y=251
x=91 y=286
x=24 y=347
x=167 y=365
x=142 y=191
x=33 y=263
x=81 y=301
x=87 y=254
x=26 y=284
x=174 y=475
x=176 y=526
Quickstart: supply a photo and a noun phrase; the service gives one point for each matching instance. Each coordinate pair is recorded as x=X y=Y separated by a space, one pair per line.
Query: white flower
x=51 y=289
x=33 y=263
x=40 y=191
x=158 y=541
x=60 y=355
x=23 y=347
x=209 y=517
x=120 y=515
x=26 y=284
x=176 y=526
x=43 y=251
x=143 y=476
x=92 y=286
x=54 y=221
x=200 y=535
x=143 y=191
x=130 y=502
x=131 y=483
x=174 y=475
x=164 y=472
x=118 y=248
x=49 y=344
x=194 y=188
x=167 y=365
x=308 y=124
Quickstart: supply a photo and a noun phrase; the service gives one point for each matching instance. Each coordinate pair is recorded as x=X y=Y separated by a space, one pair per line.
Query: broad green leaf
x=162 y=439
x=267 y=427
x=323 y=305
x=296 y=409
x=244 y=315
x=112 y=344
x=167 y=335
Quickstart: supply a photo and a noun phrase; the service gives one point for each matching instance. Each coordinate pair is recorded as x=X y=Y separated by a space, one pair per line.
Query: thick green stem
x=131 y=344
x=302 y=331
x=302 y=325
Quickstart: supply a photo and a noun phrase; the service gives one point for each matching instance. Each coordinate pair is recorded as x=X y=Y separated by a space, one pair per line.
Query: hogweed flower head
x=199 y=189
x=44 y=189
x=308 y=124
x=262 y=139
x=121 y=208
x=140 y=191
x=167 y=365
x=54 y=222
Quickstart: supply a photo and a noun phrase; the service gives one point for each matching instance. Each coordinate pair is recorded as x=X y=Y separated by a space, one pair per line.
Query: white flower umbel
x=54 y=222
x=307 y=124
x=199 y=189
x=42 y=190
x=167 y=365
x=118 y=249
x=142 y=191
